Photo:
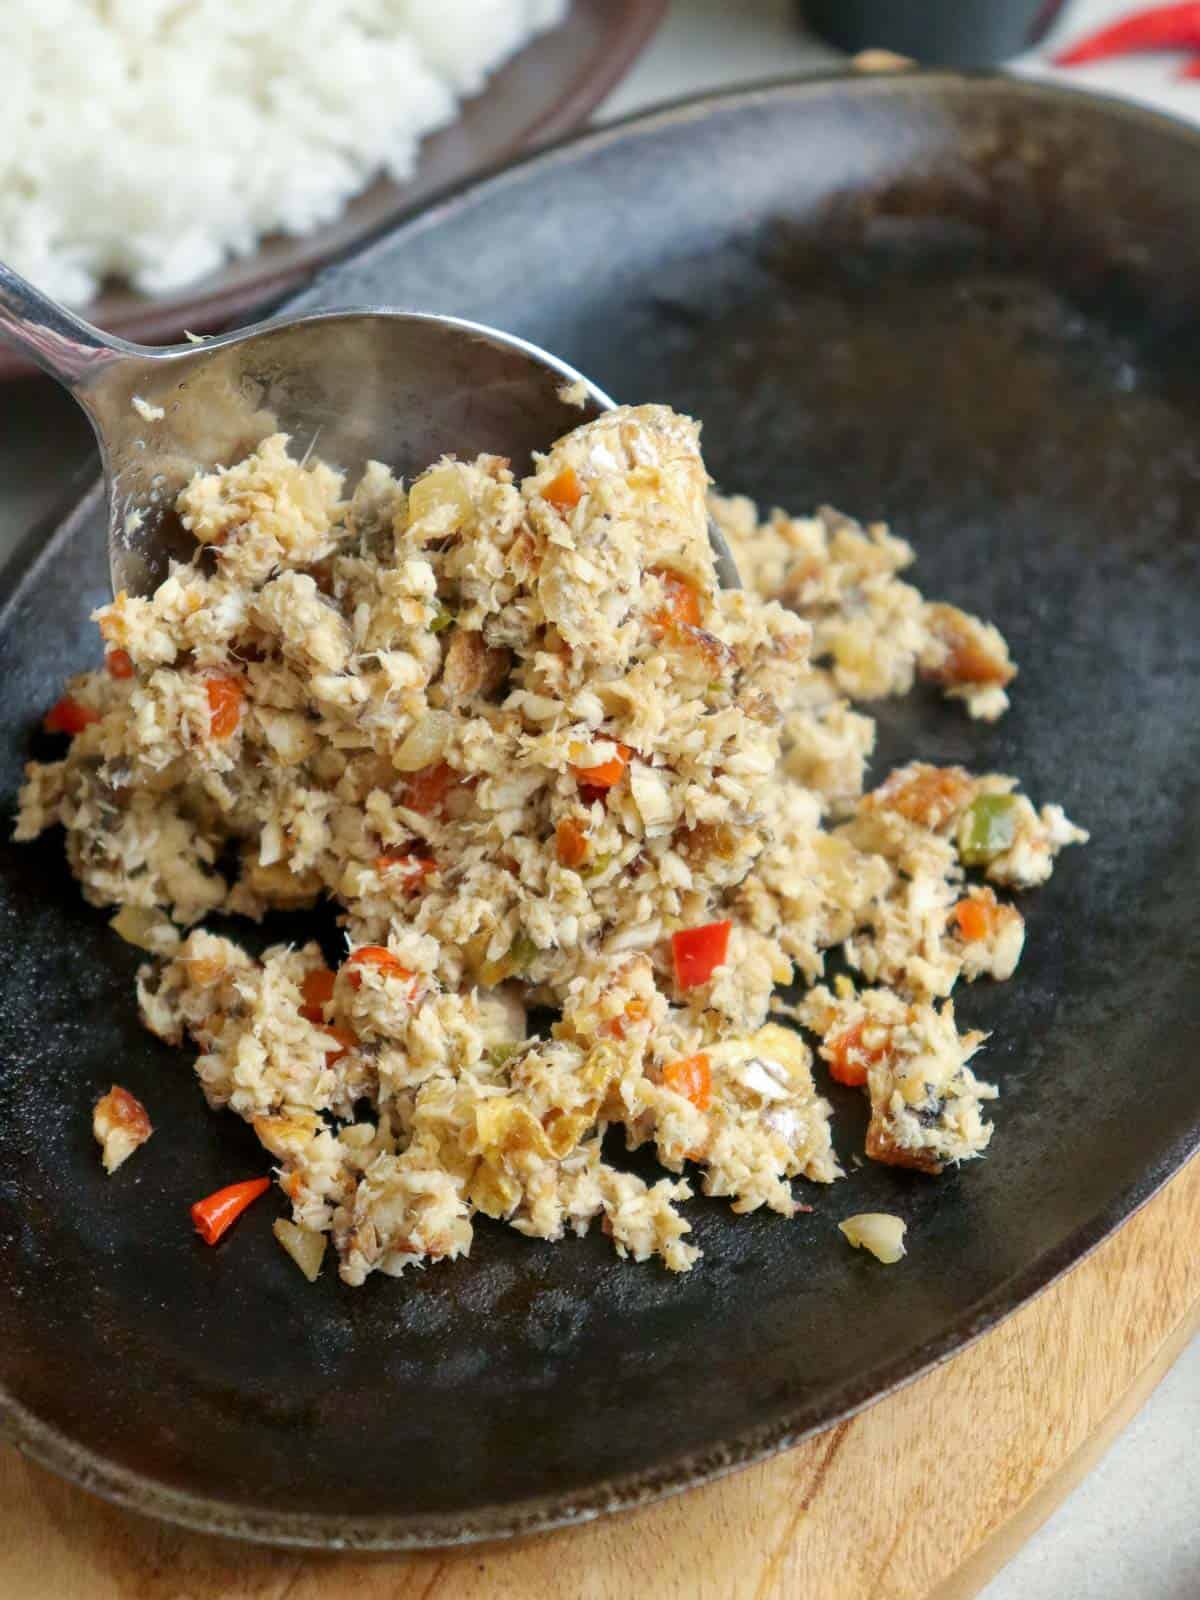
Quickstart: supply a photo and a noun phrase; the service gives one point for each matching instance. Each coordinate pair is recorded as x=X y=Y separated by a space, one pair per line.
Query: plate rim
x=401 y=1531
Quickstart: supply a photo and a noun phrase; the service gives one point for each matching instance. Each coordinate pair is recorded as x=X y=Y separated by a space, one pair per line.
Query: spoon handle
x=62 y=344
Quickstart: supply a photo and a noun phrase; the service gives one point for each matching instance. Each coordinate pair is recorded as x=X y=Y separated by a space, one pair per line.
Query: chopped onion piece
x=784 y=1121
x=305 y=1246
x=652 y=798
x=426 y=743
x=147 y=928
x=441 y=492
x=761 y=1077
x=876 y=1231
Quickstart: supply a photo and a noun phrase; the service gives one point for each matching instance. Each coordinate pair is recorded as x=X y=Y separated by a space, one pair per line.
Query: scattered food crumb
x=147 y=928
x=880 y=61
x=876 y=1231
x=120 y=1124
x=574 y=394
x=146 y=411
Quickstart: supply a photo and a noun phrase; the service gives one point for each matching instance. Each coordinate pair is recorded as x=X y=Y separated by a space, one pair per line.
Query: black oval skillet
x=965 y=304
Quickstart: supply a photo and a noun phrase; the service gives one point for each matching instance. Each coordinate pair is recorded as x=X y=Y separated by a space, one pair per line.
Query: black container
x=940 y=32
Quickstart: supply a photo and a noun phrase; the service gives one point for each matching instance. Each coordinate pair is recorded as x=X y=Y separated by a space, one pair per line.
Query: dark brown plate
x=549 y=88
x=967 y=304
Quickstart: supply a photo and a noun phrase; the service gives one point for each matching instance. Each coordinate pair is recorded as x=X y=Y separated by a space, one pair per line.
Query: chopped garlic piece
x=306 y=1246
x=147 y=929
x=876 y=1231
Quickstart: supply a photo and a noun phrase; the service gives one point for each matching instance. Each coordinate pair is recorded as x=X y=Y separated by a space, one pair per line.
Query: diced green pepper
x=443 y=618
x=500 y=1053
x=987 y=830
x=522 y=953
x=597 y=865
x=514 y=963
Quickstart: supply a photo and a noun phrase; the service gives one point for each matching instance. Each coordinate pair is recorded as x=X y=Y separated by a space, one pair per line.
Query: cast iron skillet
x=966 y=304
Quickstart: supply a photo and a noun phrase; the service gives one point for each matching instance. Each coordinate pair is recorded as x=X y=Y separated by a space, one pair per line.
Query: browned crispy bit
x=523 y=555
x=973 y=652
x=927 y=795
x=709 y=839
x=120 y=1124
x=321 y=573
x=717 y=656
x=881 y=1147
x=761 y=707
x=472 y=667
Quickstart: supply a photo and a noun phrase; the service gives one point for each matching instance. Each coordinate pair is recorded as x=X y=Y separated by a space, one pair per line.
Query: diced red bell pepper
x=681 y=600
x=343 y=1042
x=225 y=696
x=375 y=955
x=565 y=491
x=698 y=952
x=426 y=790
x=607 y=774
x=317 y=989
x=69 y=716
x=692 y=1078
x=975 y=918
x=849 y=1059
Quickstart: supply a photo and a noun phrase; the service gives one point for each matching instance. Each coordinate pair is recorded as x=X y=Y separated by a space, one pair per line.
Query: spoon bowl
x=401 y=387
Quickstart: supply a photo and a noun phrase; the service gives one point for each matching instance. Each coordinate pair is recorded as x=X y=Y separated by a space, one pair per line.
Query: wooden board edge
x=994 y=1555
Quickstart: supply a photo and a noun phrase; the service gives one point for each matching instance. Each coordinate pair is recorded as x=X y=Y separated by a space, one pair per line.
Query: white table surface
x=1131 y=1531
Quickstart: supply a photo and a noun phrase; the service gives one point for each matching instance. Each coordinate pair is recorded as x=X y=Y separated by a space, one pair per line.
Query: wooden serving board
x=923 y=1497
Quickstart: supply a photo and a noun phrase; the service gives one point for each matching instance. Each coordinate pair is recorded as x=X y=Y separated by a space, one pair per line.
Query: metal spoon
x=401 y=387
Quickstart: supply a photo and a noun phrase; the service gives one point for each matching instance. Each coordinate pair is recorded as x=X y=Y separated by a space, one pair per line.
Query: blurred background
x=276 y=195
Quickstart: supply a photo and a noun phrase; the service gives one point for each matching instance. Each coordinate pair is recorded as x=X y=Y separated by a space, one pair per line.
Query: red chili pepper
x=698 y=952
x=119 y=664
x=216 y=1214
x=976 y=918
x=1173 y=27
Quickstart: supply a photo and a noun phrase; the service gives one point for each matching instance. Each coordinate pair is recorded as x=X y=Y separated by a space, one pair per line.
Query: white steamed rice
x=153 y=139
